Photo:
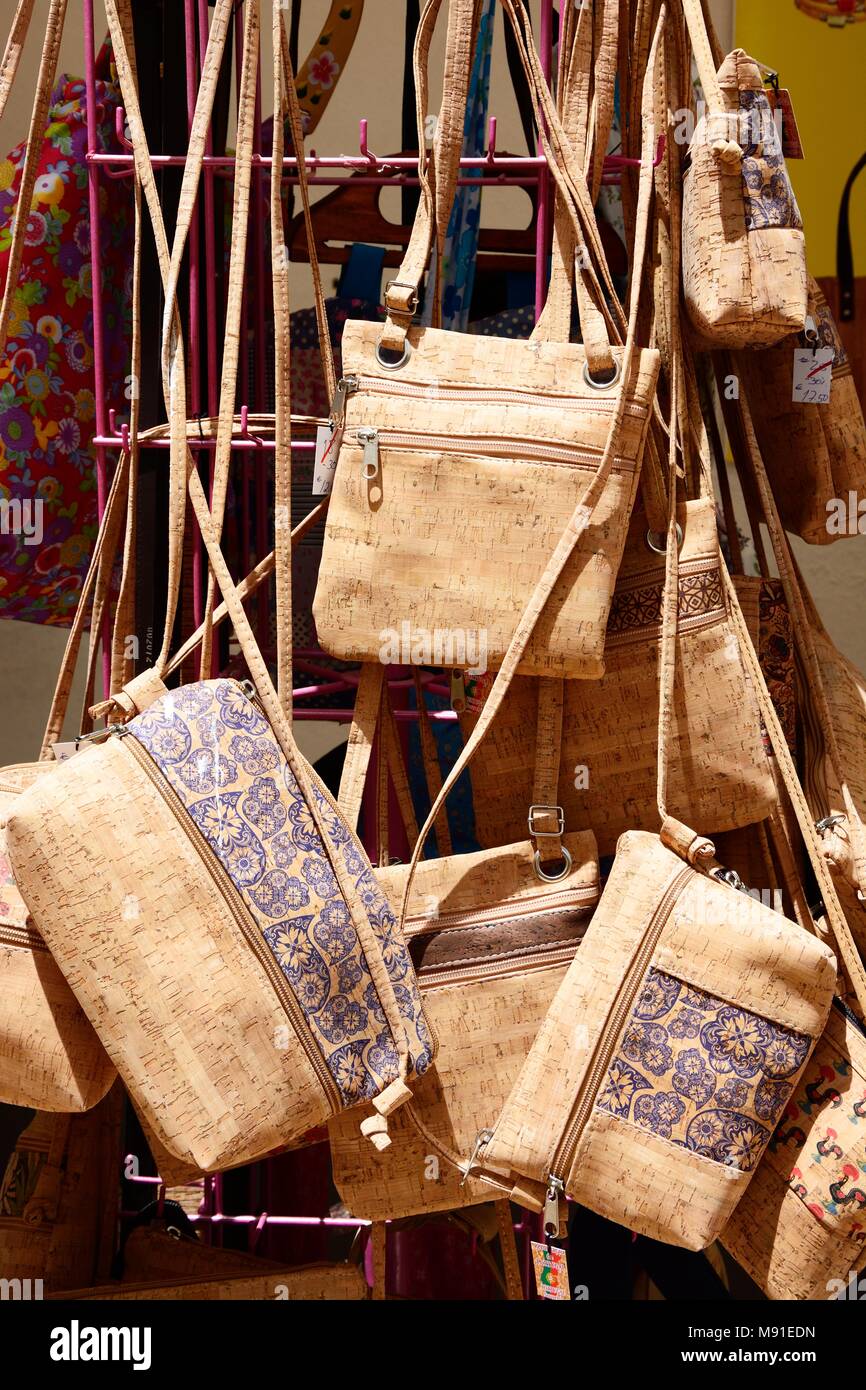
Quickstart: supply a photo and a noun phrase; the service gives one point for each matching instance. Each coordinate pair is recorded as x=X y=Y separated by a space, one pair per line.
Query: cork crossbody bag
x=466 y=462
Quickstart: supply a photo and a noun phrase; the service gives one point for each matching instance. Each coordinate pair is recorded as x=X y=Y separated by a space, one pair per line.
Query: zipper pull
x=555 y=1189
x=483 y=1137
x=346 y=386
x=458 y=691
x=369 y=437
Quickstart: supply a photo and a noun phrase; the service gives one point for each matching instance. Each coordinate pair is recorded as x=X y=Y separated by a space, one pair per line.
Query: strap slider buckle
x=412 y=304
x=536 y=811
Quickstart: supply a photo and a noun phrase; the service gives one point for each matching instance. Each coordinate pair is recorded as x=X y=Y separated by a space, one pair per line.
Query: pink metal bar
x=194 y=290
x=543 y=220
x=99 y=387
x=259 y=213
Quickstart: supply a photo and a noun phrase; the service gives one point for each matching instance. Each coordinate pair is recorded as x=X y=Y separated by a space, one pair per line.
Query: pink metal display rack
x=203 y=350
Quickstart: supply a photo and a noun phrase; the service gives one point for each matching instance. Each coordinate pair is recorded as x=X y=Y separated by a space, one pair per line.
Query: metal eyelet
x=657 y=540
x=401 y=360
x=602 y=385
x=552 y=878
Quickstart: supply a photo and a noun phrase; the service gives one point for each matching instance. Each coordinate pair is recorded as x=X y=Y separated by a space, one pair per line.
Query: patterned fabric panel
x=13 y=911
x=768 y=195
x=824 y=1128
x=219 y=754
x=776 y=653
x=701 y=1072
x=637 y=601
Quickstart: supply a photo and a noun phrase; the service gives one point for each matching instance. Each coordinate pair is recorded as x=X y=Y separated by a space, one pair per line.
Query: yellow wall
x=825 y=70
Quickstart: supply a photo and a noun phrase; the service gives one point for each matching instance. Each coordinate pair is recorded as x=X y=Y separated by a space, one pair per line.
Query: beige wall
x=29 y=655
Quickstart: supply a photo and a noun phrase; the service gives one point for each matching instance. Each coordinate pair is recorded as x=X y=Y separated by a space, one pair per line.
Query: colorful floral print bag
x=47 y=408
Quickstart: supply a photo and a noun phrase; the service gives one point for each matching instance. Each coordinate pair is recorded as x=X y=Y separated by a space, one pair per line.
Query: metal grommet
x=657 y=540
x=552 y=878
x=602 y=385
x=401 y=360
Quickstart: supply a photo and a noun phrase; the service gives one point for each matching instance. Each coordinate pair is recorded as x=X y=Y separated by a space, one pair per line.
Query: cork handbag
x=743 y=256
x=606 y=777
x=466 y=462
x=800 y=1230
x=815 y=454
x=50 y=1056
x=217 y=920
x=491 y=943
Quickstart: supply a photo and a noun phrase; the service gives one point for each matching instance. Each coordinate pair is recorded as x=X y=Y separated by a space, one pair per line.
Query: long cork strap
x=721 y=124
x=402 y=295
x=174 y=381
x=13 y=50
x=35 y=136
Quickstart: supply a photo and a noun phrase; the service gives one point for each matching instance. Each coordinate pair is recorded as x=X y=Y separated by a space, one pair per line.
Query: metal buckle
x=542 y=873
x=538 y=809
x=413 y=301
x=827 y=823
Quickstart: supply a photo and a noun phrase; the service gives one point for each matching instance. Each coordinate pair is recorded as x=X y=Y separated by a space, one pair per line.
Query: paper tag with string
x=813 y=375
x=327 y=452
x=551 y=1271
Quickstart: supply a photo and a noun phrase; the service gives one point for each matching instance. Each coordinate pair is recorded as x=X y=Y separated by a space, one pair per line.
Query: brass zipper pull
x=369 y=437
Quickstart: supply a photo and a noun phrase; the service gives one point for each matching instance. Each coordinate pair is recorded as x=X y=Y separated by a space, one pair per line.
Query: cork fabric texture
x=503 y=941
x=137 y=926
x=768 y=618
x=813 y=453
x=315 y=1283
x=743 y=253
x=845 y=689
x=740 y=996
x=802 y=1222
x=50 y=1057
x=454 y=539
x=222 y=760
x=719 y=774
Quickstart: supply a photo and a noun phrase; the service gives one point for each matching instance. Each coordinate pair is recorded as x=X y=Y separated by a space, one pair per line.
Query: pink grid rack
x=203 y=350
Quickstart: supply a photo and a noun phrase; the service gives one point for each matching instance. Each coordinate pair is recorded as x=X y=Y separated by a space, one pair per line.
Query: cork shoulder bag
x=217 y=921
x=465 y=460
x=743 y=255
x=490 y=942
x=815 y=454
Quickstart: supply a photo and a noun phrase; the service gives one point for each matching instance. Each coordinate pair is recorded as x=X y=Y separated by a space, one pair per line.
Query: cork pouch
x=743 y=253
x=491 y=943
x=670 y=1050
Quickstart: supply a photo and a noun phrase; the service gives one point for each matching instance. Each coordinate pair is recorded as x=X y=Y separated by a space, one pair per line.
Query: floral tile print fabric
x=702 y=1073
x=47 y=406
x=220 y=756
x=769 y=197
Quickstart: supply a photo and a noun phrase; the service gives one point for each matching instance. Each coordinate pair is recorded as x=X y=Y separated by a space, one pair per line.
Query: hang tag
x=813 y=375
x=327 y=453
x=551 y=1271
x=63 y=751
x=792 y=145
x=477 y=690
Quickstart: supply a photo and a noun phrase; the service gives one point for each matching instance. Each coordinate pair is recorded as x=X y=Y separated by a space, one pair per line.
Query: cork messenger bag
x=743 y=252
x=464 y=459
x=217 y=920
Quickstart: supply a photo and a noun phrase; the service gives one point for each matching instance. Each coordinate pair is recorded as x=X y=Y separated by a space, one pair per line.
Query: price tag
x=327 y=453
x=62 y=751
x=813 y=375
x=551 y=1271
x=477 y=690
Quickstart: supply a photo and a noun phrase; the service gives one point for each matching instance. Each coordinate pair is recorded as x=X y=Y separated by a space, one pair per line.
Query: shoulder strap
x=13 y=50
x=844 y=253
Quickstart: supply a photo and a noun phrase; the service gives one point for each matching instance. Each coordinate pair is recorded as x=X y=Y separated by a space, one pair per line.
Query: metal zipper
x=538 y=958
x=616 y=1020
x=238 y=909
x=494 y=395
x=372 y=441
x=539 y=903
x=23 y=937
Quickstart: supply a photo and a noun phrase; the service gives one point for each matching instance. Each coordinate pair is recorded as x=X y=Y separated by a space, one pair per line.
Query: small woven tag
x=551 y=1271
x=327 y=453
x=813 y=375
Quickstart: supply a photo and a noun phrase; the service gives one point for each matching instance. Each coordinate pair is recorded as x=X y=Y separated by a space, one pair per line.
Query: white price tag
x=62 y=751
x=327 y=453
x=813 y=375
